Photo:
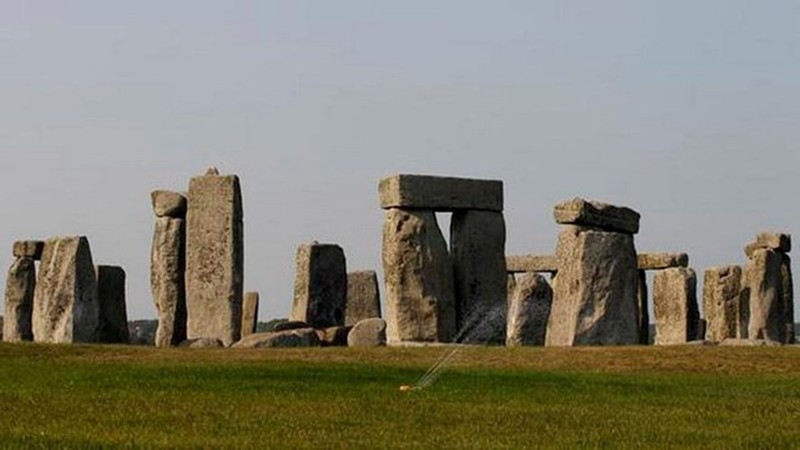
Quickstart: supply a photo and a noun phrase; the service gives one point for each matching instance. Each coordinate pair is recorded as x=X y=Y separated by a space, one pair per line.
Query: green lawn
x=100 y=396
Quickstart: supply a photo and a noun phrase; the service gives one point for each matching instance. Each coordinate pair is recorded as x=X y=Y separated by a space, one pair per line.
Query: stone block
x=214 y=258
x=202 y=342
x=168 y=204
x=20 y=287
x=787 y=298
x=658 y=261
x=333 y=336
x=531 y=263
x=368 y=333
x=597 y=215
x=320 y=285
x=642 y=310
x=675 y=306
x=113 y=316
x=249 y=313
x=363 y=297
x=767 y=314
x=167 y=280
x=28 y=249
x=291 y=325
x=302 y=337
x=780 y=242
x=529 y=311
x=722 y=302
x=440 y=193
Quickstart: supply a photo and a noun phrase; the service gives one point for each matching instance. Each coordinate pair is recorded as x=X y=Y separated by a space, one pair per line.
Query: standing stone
x=642 y=311
x=363 y=297
x=418 y=273
x=20 y=286
x=167 y=282
x=721 y=302
x=787 y=297
x=250 y=313
x=595 y=289
x=477 y=248
x=767 y=315
x=320 y=285
x=214 y=258
x=529 y=311
x=65 y=306
x=511 y=286
x=675 y=306
x=113 y=316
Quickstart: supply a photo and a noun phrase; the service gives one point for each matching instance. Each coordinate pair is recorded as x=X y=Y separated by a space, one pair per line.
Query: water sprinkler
x=406 y=388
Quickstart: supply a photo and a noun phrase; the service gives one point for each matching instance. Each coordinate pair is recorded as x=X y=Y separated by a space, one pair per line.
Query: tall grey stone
x=363 y=297
x=675 y=306
x=511 y=285
x=249 y=313
x=113 y=316
x=787 y=298
x=320 y=285
x=721 y=302
x=642 y=311
x=595 y=289
x=214 y=258
x=65 y=305
x=167 y=281
x=477 y=249
x=20 y=286
x=529 y=311
x=767 y=315
x=420 y=304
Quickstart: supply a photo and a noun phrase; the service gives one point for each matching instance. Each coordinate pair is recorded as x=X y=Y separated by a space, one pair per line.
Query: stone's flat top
x=597 y=214
x=658 y=261
x=440 y=193
x=531 y=263
x=781 y=242
x=28 y=249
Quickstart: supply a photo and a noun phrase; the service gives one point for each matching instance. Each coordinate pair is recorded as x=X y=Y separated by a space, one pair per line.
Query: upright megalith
x=249 y=313
x=420 y=303
x=320 y=285
x=363 y=297
x=20 y=286
x=214 y=257
x=113 y=316
x=769 y=288
x=642 y=310
x=675 y=306
x=595 y=288
x=529 y=311
x=65 y=306
x=722 y=302
x=168 y=266
x=477 y=249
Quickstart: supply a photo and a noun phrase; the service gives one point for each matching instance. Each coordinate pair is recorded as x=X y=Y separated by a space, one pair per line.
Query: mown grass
x=101 y=396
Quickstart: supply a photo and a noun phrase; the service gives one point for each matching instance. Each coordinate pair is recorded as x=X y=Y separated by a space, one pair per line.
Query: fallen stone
x=477 y=250
x=675 y=306
x=780 y=242
x=721 y=302
x=597 y=215
x=202 y=343
x=249 y=313
x=595 y=289
x=368 y=333
x=65 y=305
x=28 y=249
x=168 y=204
x=113 y=316
x=320 y=285
x=531 y=263
x=440 y=193
x=418 y=275
x=20 y=287
x=701 y=343
x=167 y=281
x=529 y=311
x=363 y=297
x=333 y=336
x=214 y=258
x=305 y=337
x=642 y=310
x=767 y=315
x=732 y=342
x=658 y=261
x=291 y=325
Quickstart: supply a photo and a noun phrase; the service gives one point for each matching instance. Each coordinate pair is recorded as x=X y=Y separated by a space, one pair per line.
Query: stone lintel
x=597 y=214
x=440 y=193
x=659 y=261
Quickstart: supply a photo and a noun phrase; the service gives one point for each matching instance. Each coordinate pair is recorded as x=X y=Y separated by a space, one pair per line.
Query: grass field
x=101 y=396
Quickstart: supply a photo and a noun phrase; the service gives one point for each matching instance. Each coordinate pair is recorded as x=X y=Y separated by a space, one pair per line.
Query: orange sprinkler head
x=406 y=388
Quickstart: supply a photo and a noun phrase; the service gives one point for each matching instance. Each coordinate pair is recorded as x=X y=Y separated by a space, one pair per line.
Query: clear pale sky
x=687 y=111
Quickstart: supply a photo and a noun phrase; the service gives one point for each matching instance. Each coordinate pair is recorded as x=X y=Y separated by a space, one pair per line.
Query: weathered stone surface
x=732 y=342
x=291 y=325
x=20 y=286
x=168 y=204
x=529 y=311
x=28 y=249
x=767 y=320
x=531 y=263
x=595 y=289
x=320 y=285
x=440 y=193
x=65 y=306
x=368 y=333
x=721 y=302
x=787 y=298
x=658 y=261
x=597 y=215
x=113 y=316
x=202 y=342
x=511 y=285
x=477 y=249
x=303 y=337
x=363 y=297
x=780 y=242
x=675 y=306
x=249 y=313
x=418 y=275
x=642 y=311
x=333 y=336
x=214 y=258
x=167 y=282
